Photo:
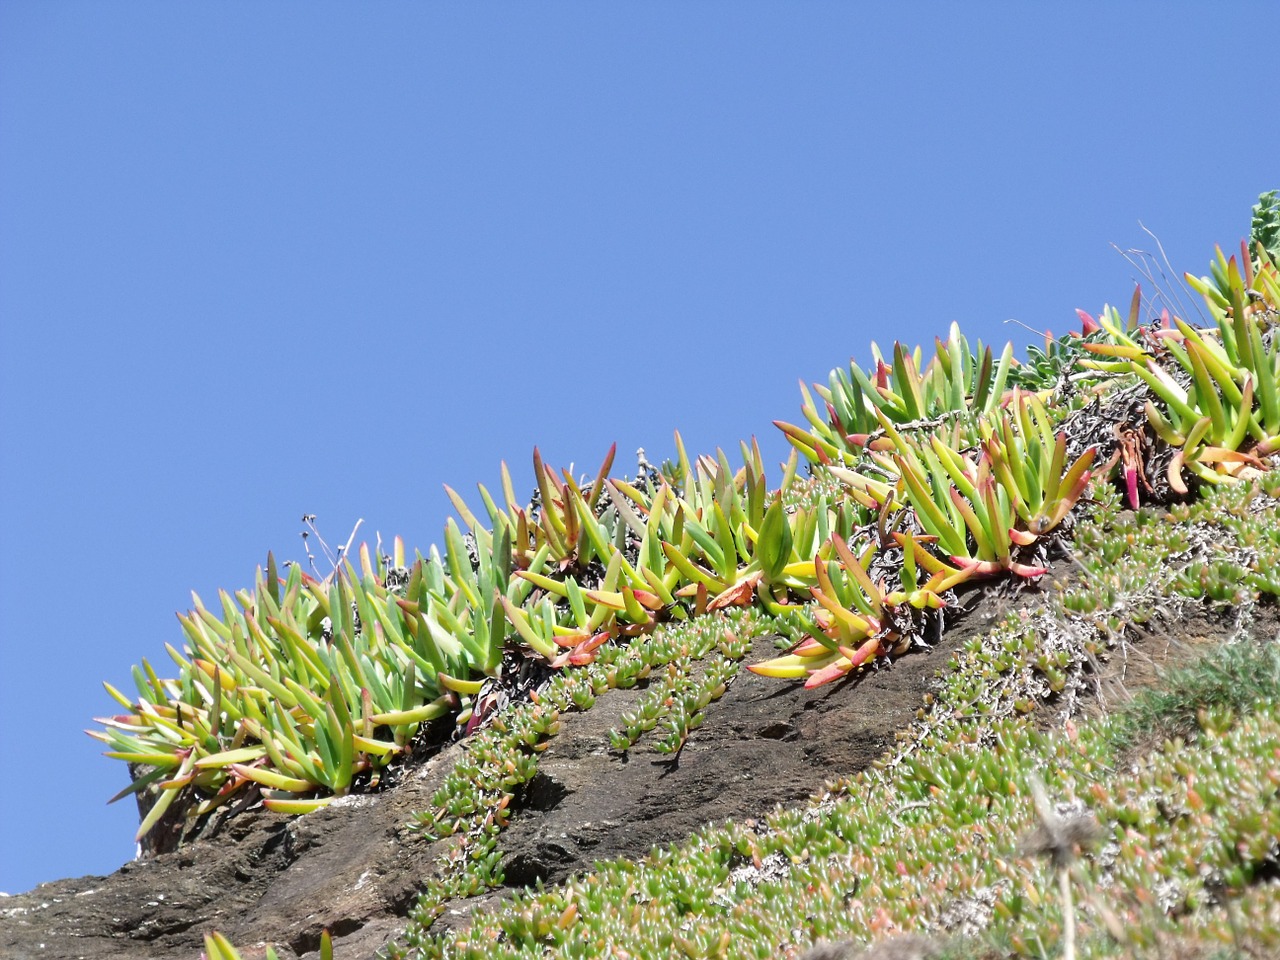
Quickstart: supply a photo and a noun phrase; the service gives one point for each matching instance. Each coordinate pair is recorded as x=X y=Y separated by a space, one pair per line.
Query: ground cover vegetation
x=1127 y=465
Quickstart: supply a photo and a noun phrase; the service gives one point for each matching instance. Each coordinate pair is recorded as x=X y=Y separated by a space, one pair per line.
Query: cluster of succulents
x=677 y=702
x=956 y=386
x=300 y=687
x=1214 y=397
x=1227 y=542
x=922 y=477
x=938 y=838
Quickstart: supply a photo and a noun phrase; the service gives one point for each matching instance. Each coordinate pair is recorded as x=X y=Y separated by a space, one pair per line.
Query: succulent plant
x=1214 y=393
x=922 y=476
x=956 y=383
x=1265 y=228
x=297 y=689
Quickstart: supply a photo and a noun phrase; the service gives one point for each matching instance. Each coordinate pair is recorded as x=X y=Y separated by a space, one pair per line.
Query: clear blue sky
x=258 y=260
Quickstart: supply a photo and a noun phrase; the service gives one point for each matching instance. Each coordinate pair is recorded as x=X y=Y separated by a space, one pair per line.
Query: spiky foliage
x=962 y=768
x=1214 y=396
x=923 y=477
x=300 y=687
x=943 y=836
x=956 y=385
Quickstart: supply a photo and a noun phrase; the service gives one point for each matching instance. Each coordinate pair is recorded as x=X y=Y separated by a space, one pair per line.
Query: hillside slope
x=1001 y=582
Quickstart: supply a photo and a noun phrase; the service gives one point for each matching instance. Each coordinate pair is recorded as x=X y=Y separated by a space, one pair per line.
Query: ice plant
x=855 y=619
x=305 y=689
x=1017 y=489
x=297 y=688
x=723 y=535
x=956 y=383
x=1214 y=391
x=923 y=476
x=1030 y=460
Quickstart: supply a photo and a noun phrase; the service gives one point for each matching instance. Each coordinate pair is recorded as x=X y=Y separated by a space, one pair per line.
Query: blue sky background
x=261 y=260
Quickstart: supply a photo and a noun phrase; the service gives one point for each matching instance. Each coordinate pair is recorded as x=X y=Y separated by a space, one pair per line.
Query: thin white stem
x=1068 y=915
